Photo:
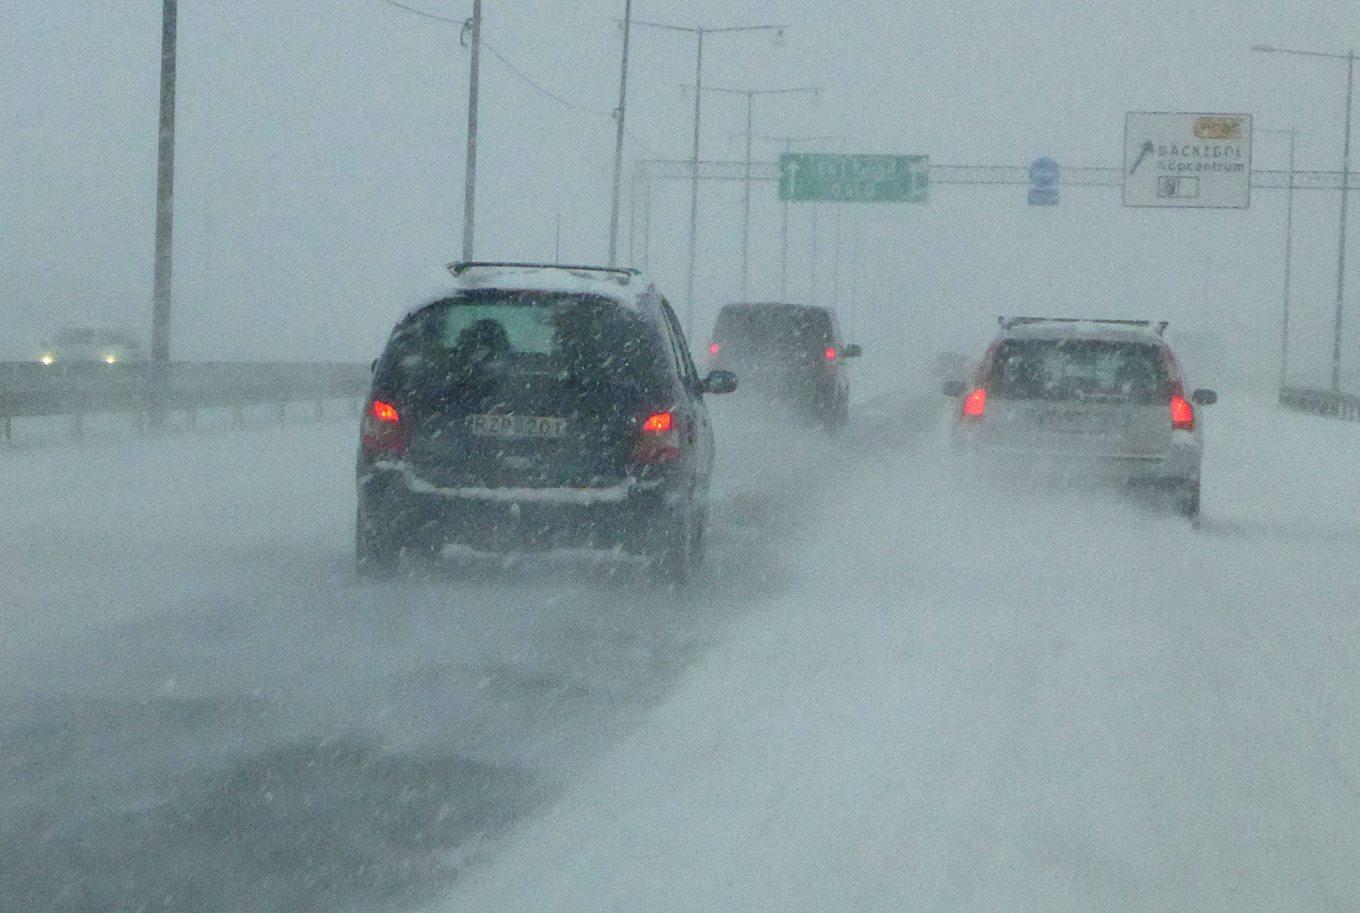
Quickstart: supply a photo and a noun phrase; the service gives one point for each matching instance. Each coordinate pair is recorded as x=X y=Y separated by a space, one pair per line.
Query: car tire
x=1188 y=504
x=679 y=555
x=839 y=416
x=377 y=551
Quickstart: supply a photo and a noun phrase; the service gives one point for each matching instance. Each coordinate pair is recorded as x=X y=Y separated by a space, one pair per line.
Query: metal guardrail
x=1322 y=402
x=31 y=389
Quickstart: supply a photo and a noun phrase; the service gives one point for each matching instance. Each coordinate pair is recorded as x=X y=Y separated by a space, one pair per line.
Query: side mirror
x=953 y=388
x=373 y=367
x=1204 y=397
x=720 y=382
x=852 y=351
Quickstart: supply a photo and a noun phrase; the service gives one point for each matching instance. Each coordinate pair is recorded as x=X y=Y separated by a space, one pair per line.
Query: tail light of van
x=1182 y=413
x=381 y=433
x=974 y=405
x=658 y=440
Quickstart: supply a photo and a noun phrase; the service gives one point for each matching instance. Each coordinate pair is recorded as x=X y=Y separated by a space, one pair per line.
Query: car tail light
x=975 y=404
x=381 y=432
x=1182 y=413
x=829 y=354
x=658 y=440
x=714 y=348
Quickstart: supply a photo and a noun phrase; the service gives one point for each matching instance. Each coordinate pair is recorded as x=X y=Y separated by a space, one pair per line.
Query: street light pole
x=165 y=190
x=699 y=32
x=784 y=239
x=618 y=141
x=812 y=282
x=750 y=96
x=836 y=261
x=746 y=202
x=1292 y=133
x=1338 y=320
x=1345 y=209
x=788 y=142
x=694 y=190
x=474 y=28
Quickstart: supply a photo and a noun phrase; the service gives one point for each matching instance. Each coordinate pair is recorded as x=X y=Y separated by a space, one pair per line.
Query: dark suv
x=534 y=407
x=789 y=352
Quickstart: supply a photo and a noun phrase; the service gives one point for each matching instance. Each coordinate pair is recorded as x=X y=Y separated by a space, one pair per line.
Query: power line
x=420 y=12
x=537 y=86
x=533 y=83
x=598 y=112
x=583 y=109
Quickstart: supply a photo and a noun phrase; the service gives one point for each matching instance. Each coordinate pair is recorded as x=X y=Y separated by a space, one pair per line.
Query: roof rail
x=1157 y=326
x=458 y=268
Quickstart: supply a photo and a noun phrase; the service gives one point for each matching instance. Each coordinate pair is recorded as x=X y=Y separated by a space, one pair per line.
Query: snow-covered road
x=970 y=702
x=893 y=692
x=202 y=710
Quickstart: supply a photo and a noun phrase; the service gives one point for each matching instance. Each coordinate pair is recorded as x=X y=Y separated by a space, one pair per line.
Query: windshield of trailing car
x=1077 y=369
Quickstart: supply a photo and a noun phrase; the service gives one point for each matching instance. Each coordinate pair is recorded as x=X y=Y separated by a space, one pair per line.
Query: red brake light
x=380 y=433
x=714 y=348
x=1182 y=413
x=829 y=354
x=658 y=440
x=975 y=404
x=658 y=423
x=385 y=412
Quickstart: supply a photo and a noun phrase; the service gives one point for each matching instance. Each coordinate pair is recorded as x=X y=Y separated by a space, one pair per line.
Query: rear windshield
x=774 y=330
x=478 y=336
x=1077 y=369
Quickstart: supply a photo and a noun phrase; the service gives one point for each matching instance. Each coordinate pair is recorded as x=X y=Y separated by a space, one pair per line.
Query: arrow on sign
x=1142 y=154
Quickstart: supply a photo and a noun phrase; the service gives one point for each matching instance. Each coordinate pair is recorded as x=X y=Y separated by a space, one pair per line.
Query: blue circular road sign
x=1043 y=172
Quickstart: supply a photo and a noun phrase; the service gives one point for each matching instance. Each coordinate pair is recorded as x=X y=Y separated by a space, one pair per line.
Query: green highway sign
x=817 y=178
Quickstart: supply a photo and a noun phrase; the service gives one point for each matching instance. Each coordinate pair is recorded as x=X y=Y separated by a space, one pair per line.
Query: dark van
x=792 y=353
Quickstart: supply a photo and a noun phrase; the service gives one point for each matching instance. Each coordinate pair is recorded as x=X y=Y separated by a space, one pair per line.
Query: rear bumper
x=810 y=391
x=1180 y=465
x=630 y=515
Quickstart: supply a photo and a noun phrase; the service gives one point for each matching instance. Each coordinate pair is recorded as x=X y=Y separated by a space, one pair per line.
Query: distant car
x=533 y=407
x=788 y=352
x=1103 y=398
x=77 y=345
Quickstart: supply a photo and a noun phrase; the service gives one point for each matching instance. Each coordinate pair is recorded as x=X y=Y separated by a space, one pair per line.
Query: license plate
x=1072 y=423
x=538 y=426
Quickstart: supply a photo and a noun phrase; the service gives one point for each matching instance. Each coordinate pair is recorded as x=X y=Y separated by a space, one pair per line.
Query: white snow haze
x=858 y=667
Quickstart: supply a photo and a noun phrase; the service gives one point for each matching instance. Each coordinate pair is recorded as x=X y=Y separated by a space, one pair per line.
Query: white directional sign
x=1187 y=160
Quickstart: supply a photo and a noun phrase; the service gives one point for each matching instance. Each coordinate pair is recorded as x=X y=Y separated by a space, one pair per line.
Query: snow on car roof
x=629 y=289
x=1084 y=329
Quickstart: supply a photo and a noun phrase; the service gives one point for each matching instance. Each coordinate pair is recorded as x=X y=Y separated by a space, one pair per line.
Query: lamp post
x=1349 y=58
x=618 y=140
x=750 y=95
x=699 y=33
x=789 y=142
x=1293 y=134
x=165 y=190
x=473 y=29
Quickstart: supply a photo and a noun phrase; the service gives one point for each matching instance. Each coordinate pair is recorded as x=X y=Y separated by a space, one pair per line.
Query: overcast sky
x=321 y=159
